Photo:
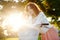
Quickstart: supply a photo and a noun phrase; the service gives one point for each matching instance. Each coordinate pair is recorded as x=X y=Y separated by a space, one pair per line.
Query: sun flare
x=14 y=20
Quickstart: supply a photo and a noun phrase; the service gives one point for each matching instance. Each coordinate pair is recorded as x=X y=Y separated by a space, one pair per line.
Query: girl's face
x=31 y=11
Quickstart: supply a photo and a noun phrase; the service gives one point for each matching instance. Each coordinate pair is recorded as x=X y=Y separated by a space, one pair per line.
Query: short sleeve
x=41 y=18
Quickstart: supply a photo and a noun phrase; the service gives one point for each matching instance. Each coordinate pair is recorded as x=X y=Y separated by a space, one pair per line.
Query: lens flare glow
x=15 y=20
x=16 y=0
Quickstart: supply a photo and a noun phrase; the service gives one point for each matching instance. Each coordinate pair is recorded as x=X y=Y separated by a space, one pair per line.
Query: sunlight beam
x=15 y=20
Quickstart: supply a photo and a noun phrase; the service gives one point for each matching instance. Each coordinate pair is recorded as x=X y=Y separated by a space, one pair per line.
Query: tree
x=53 y=9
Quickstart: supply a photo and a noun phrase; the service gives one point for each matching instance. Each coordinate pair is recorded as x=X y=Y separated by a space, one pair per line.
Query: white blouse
x=41 y=18
x=32 y=29
x=29 y=32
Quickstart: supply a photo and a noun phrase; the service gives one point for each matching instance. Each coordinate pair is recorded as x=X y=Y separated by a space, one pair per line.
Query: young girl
x=29 y=32
x=37 y=23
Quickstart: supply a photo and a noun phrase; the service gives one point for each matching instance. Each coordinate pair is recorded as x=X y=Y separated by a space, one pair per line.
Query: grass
x=18 y=39
x=11 y=38
x=39 y=38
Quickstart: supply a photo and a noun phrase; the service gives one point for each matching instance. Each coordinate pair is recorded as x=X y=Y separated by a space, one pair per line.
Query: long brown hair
x=34 y=7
